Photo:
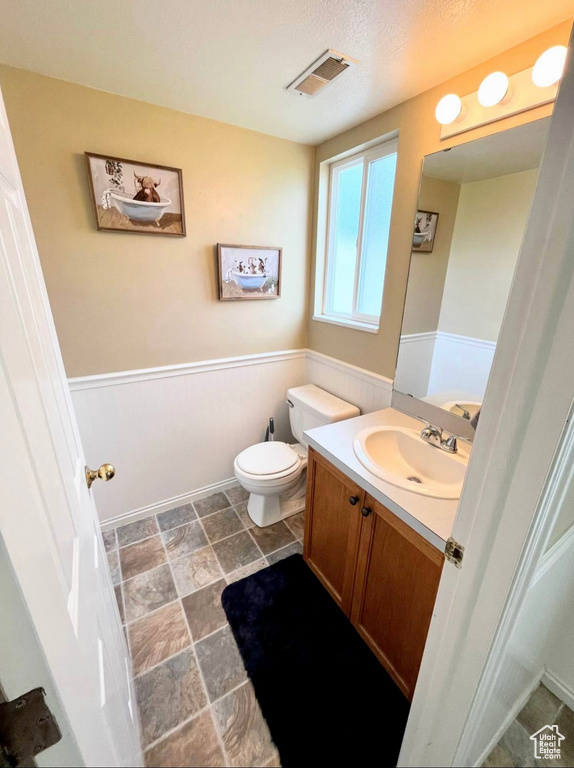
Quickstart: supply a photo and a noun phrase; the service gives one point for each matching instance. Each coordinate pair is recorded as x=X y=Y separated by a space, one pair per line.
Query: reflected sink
x=400 y=456
x=459 y=406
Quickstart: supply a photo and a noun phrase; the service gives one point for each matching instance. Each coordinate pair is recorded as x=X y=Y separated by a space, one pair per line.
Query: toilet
x=275 y=473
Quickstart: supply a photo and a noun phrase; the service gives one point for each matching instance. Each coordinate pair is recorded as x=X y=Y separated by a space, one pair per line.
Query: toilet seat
x=267 y=462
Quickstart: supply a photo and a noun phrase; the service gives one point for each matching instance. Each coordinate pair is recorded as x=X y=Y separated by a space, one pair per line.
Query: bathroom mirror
x=474 y=202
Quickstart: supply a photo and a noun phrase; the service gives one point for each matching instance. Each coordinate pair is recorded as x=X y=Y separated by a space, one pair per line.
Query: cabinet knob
x=353 y=500
x=366 y=511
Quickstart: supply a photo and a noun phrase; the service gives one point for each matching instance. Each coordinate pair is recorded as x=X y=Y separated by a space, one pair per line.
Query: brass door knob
x=105 y=472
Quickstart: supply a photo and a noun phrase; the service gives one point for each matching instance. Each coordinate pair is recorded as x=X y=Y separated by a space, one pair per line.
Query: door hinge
x=454 y=552
x=27 y=727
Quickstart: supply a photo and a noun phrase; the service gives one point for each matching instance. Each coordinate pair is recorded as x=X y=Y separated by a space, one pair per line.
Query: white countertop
x=432 y=518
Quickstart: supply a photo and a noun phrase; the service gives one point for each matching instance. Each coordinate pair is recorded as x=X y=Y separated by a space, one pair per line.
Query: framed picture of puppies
x=425 y=231
x=249 y=272
x=129 y=196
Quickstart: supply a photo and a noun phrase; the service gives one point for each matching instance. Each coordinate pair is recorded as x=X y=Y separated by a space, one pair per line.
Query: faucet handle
x=450 y=444
x=432 y=435
x=431 y=431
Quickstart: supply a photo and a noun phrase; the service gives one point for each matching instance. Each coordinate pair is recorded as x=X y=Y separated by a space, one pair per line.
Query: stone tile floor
x=196 y=704
x=516 y=750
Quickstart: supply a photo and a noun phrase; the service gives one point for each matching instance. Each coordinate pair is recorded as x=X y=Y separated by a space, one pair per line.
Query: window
x=359 y=216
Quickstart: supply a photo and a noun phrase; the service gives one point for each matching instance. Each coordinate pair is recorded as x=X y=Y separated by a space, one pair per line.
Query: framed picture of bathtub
x=425 y=231
x=129 y=196
x=249 y=272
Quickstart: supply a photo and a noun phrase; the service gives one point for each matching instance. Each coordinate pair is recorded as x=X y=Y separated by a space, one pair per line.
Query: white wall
x=172 y=433
x=441 y=367
x=541 y=645
x=368 y=391
x=461 y=364
x=565 y=519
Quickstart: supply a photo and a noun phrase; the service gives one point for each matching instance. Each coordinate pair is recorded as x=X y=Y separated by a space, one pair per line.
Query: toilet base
x=268 y=510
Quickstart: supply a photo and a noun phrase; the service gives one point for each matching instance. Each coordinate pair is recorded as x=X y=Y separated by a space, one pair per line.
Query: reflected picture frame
x=424 y=234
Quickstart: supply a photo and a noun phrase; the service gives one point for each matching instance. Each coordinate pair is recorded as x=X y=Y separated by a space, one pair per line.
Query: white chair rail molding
x=159 y=423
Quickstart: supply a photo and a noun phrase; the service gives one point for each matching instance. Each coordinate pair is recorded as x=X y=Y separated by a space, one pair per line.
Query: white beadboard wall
x=414 y=363
x=368 y=391
x=435 y=362
x=173 y=432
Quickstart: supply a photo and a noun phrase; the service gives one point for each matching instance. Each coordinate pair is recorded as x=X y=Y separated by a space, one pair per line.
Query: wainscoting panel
x=173 y=433
x=368 y=391
x=415 y=363
x=461 y=363
x=436 y=362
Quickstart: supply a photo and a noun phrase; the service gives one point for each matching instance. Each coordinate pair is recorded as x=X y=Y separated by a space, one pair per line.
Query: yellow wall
x=128 y=301
x=419 y=135
x=428 y=270
x=125 y=301
x=490 y=223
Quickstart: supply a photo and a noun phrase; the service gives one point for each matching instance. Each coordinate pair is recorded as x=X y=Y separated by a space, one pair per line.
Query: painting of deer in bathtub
x=249 y=272
x=136 y=197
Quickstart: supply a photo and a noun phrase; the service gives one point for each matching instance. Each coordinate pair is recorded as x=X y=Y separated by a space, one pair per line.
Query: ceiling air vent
x=322 y=72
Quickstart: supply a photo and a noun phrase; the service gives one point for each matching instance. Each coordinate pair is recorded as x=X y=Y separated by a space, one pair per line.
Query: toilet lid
x=267 y=458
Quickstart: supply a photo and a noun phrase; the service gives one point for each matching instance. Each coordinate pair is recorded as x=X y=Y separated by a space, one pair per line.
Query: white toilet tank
x=310 y=406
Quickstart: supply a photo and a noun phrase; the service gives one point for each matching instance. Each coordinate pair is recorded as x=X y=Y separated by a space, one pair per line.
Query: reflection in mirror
x=457 y=292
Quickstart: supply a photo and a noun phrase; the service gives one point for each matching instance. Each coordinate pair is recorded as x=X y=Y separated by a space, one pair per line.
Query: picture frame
x=424 y=234
x=126 y=198
x=248 y=272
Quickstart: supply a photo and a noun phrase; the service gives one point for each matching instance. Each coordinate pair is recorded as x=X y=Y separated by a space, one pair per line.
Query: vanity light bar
x=500 y=96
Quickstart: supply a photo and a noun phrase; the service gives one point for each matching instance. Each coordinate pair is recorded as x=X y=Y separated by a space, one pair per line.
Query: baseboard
x=558 y=688
x=511 y=715
x=162 y=506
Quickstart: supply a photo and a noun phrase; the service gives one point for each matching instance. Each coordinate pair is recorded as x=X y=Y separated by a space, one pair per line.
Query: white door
x=49 y=529
x=515 y=466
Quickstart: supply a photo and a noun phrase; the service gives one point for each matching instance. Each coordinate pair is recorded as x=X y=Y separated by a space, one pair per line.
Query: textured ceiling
x=231 y=59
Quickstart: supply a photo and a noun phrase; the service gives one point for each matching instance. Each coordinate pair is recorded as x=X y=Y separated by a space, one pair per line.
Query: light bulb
x=448 y=109
x=493 y=89
x=549 y=66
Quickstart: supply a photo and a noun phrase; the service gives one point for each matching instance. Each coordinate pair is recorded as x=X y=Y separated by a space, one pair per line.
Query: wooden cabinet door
x=332 y=523
x=395 y=589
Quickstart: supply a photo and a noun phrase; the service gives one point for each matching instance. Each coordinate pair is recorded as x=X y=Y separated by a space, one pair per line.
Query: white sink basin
x=400 y=456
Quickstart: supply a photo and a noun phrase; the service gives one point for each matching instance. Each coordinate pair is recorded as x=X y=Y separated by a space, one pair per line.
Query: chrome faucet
x=465 y=414
x=434 y=436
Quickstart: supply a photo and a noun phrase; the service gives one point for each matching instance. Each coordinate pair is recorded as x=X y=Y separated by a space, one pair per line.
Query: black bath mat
x=323 y=693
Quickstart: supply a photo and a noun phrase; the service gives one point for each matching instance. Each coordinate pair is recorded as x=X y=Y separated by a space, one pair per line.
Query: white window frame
x=355 y=319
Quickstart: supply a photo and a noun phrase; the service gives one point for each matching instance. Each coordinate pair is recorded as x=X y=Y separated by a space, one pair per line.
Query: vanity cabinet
x=332 y=526
x=383 y=574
